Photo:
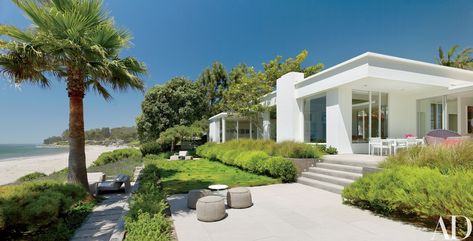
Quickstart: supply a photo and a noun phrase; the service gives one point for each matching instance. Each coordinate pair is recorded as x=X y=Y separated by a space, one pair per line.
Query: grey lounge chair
x=115 y=184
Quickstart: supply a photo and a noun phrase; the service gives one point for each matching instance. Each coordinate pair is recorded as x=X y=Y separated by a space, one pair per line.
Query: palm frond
x=16 y=33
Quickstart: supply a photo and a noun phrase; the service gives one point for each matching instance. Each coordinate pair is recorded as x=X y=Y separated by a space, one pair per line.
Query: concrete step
x=339 y=167
x=329 y=179
x=353 y=160
x=321 y=185
x=334 y=173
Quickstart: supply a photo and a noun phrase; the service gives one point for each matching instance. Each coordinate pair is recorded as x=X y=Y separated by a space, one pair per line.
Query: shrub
x=418 y=192
x=444 y=157
x=331 y=150
x=241 y=154
x=286 y=149
x=32 y=176
x=253 y=161
x=32 y=207
x=151 y=148
x=117 y=155
x=282 y=168
x=146 y=219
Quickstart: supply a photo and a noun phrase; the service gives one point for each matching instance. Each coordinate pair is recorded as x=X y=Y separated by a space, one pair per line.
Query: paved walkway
x=292 y=212
x=103 y=220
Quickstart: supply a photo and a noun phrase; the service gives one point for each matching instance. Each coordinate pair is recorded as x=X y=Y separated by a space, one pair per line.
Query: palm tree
x=74 y=41
x=462 y=60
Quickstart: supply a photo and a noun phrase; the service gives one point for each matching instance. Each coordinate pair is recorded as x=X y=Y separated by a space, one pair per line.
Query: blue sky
x=181 y=38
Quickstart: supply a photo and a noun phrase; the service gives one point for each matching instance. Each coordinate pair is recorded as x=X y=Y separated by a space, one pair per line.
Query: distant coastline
x=18 y=151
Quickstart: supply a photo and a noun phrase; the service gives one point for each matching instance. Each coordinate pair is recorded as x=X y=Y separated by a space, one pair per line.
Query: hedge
x=285 y=149
x=117 y=155
x=420 y=193
x=146 y=219
x=46 y=210
x=258 y=162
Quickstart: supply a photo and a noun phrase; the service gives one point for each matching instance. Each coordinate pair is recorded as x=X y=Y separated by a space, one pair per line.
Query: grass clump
x=444 y=157
x=420 y=184
x=146 y=219
x=117 y=155
x=31 y=176
x=42 y=210
x=418 y=194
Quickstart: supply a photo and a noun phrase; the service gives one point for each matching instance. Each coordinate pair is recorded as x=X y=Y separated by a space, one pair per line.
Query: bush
x=241 y=154
x=282 y=168
x=420 y=193
x=117 y=155
x=253 y=161
x=331 y=150
x=31 y=208
x=32 y=176
x=285 y=149
x=151 y=148
x=444 y=157
x=146 y=219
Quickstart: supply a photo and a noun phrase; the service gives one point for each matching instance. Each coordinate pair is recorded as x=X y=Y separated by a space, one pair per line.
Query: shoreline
x=13 y=168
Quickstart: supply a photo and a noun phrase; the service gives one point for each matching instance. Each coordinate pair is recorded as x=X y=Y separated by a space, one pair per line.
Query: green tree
x=214 y=81
x=248 y=86
x=178 y=102
x=172 y=136
x=275 y=68
x=77 y=42
x=460 y=60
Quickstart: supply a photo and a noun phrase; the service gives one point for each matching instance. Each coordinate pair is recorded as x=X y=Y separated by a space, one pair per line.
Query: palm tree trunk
x=77 y=168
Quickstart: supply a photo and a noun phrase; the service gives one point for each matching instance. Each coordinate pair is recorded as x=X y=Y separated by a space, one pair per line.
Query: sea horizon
x=14 y=151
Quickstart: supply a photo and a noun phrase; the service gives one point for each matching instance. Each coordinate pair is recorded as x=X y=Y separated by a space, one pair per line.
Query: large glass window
x=437 y=113
x=315 y=120
x=369 y=115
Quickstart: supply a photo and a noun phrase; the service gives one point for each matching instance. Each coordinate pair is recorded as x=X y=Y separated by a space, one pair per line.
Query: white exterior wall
x=339 y=119
x=212 y=131
x=289 y=115
x=402 y=115
x=463 y=103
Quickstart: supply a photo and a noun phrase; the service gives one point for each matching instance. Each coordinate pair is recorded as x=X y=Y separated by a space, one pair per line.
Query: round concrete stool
x=211 y=208
x=194 y=195
x=239 y=197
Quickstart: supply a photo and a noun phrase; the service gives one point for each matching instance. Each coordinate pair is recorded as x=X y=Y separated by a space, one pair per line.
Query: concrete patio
x=292 y=212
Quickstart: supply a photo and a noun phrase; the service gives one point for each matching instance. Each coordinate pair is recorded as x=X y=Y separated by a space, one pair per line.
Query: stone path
x=292 y=212
x=104 y=219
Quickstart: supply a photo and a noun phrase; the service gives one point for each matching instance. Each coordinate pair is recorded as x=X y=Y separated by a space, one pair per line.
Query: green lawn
x=182 y=176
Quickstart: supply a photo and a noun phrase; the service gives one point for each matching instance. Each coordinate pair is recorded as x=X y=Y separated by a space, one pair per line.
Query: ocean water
x=8 y=151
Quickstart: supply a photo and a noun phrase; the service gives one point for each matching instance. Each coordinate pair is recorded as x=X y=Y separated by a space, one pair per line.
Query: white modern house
x=371 y=95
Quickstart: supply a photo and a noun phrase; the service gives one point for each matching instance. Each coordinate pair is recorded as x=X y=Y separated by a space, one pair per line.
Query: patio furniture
x=94 y=178
x=399 y=144
x=439 y=136
x=115 y=184
x=195 y=195
x=182 y=155
x=376 y=143
x=239 y=197
x=211 y=208
x=217 y=188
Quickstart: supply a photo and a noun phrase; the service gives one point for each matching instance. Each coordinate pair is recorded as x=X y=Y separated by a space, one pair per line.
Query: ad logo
x=454 y=228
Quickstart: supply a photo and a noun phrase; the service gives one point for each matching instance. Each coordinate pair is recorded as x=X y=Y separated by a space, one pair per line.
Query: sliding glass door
x=437 y=113
x=369 y=115
x=315 y=120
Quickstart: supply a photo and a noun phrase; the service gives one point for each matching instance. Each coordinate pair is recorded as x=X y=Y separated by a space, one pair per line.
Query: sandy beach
x=13 y=168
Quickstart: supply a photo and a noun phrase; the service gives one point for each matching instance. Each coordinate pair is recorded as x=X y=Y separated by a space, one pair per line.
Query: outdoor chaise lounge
x=182 y=155
x=441 y=136
x=115 y=184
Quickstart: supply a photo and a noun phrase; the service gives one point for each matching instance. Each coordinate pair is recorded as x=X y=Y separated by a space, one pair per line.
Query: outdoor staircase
x=334 y=173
